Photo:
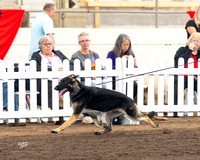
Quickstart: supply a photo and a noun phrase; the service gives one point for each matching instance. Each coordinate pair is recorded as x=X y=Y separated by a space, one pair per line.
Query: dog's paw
x=157 y=125
x=53 y=131
x=97 y=133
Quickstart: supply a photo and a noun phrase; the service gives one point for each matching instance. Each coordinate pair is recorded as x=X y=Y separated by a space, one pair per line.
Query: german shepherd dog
x=97 y=101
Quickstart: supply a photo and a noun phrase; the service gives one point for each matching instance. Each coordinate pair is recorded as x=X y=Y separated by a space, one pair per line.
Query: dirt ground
x=175 y=139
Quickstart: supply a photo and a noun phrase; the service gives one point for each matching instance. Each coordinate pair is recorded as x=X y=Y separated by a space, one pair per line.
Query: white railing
x=160 y=82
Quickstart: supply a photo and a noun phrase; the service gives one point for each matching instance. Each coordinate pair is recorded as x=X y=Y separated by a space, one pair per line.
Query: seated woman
x=122 y=48
x=191 y=50
x=48 y=54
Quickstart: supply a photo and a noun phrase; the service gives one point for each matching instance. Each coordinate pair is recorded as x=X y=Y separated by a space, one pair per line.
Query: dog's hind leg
x=71 y=120
x=132 y=112
x=109 y=118
x=152 y=115
x=100 y=125
x=160 y=118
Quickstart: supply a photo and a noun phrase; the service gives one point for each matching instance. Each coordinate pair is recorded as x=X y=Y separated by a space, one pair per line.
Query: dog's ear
x=76 y=76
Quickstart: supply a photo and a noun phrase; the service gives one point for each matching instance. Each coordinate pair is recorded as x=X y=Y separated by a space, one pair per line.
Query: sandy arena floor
x=175 y=139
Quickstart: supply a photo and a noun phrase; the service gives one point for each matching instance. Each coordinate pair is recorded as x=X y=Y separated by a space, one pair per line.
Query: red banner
x=10 y=21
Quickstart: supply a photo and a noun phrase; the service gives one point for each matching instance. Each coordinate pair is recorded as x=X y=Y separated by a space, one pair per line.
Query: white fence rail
x=160 y=84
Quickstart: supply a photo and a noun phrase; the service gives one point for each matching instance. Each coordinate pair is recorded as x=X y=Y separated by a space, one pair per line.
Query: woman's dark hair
x=117 y=48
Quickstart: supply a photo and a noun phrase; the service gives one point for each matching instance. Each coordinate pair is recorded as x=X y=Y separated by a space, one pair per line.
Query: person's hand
x=127 y=56
x=192 y=46
x=195 y=78
x=60 y=69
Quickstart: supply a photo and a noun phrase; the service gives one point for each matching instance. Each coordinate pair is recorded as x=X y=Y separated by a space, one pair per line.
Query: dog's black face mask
x=66 y=84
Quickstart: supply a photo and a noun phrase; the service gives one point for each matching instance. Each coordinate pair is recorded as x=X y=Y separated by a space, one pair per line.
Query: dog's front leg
x=71 y=120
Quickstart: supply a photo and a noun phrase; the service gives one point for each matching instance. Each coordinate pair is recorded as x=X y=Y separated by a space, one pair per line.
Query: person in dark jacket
x=191 y=50
x=193 y=25
x=48 y=54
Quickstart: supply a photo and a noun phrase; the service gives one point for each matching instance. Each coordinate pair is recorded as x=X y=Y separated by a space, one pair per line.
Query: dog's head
x=67 y=84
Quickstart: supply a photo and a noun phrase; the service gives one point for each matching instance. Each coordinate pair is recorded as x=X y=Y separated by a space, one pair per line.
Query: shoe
x=151 y=114
x=59 y=122
x=17 y=123
x=117 y=121
x=87 y=119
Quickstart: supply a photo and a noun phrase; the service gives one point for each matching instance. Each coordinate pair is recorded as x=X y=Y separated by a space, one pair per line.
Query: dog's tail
x=151 y=114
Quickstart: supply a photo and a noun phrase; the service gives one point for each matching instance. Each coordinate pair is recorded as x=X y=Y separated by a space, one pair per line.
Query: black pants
x=49 y=95
x=134 y=89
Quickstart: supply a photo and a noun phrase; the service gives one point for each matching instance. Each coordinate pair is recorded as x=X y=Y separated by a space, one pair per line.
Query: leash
x=142 y=74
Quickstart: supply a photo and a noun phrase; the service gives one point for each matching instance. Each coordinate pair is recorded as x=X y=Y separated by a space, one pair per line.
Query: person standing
x=193 y=25
x=42 y=25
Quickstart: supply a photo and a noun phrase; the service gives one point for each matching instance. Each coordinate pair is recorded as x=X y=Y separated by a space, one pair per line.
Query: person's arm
x=48 y=28
x=52 y=36
x=38 y=60
x=112 y=57
x=74 y=57
x=183 y=52
x=191 y=29
x=97 y=55
x=60 y=54
x=135 y=64
x=77 y=56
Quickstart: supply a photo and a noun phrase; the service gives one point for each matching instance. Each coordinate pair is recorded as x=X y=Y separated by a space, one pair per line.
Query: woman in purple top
x=122 y=48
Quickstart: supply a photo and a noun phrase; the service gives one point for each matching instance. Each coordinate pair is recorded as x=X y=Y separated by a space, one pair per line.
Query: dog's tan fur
x=145 y=102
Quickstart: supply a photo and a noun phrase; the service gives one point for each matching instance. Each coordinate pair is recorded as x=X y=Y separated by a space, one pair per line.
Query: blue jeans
x=5 y=97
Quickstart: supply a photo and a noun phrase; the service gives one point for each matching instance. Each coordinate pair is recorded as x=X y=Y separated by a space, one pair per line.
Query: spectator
x=48 y=54
x=122 y=48
x=191 y=50
x=85 y=53
x=193 y=25
x=42 y=25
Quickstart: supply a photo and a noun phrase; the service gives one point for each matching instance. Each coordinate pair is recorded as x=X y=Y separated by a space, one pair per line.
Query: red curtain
x=10 y=21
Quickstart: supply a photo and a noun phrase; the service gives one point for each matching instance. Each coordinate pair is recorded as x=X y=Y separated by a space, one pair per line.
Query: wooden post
x=96 y=16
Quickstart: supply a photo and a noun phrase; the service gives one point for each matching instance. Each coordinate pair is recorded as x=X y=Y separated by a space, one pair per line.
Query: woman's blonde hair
x=193 y=35
x=196 y=17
